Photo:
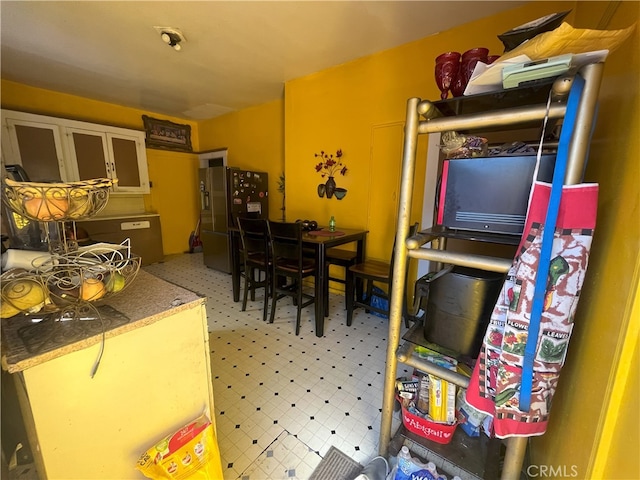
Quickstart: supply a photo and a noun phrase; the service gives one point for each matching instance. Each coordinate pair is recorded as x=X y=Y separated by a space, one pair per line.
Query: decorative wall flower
x=330 y=164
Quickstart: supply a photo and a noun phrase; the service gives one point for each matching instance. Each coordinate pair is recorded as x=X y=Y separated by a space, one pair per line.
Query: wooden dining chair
x=342 y=258
x=289 y=262
x=368 y=272
x=254 y=235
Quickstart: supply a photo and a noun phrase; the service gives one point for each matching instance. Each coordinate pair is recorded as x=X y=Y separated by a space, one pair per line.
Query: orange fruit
x=92 y=289
x=46 y=209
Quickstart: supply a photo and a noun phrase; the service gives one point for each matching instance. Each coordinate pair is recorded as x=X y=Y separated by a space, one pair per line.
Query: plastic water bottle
x=404 y=466
x=409 y=468
x=332 y=224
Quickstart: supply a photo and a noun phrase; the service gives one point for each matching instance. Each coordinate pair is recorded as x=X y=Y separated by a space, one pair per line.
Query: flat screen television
x=489 y=194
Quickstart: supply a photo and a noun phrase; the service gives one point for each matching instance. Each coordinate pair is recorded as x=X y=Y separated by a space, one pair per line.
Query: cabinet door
x=89 y=151
x=128 y=162
x=37 y=146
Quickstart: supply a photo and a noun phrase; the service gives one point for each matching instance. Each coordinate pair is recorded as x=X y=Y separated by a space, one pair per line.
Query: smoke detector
x=171 y=36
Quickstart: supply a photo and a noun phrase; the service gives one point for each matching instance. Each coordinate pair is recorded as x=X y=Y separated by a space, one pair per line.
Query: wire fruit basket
x=64 y=283
x=57 y=202
x=68 y=278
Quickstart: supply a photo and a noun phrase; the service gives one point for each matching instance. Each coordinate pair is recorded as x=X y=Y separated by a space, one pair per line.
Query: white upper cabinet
x=54 y=149
x=37 y=146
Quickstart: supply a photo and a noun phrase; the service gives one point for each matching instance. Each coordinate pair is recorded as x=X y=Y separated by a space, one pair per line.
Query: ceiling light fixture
x=171 y=36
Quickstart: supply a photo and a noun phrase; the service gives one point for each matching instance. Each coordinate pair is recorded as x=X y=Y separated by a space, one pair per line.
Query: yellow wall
x=173 y=174
x=16 y=96
x=255 y=139
x=360 y=108
x=586 y=425
x=174 y=196
x=615 y=459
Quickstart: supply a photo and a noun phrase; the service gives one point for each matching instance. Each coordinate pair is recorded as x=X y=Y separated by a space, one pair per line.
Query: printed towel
x=496 y=380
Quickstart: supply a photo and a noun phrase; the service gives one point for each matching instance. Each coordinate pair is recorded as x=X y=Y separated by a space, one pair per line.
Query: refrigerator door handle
x=204 y=196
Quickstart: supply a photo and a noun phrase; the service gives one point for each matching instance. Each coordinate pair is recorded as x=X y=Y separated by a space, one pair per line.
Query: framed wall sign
x=167 y=135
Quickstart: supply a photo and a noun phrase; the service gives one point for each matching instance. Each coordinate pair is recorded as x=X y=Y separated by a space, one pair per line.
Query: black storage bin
x=458 y=302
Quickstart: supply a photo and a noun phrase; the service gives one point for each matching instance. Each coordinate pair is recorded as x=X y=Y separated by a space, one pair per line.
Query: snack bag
x=442 y=394
x=469 y=419
x=190 y=453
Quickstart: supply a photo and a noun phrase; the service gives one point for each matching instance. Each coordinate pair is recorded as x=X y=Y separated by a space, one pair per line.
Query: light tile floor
x=282 y=400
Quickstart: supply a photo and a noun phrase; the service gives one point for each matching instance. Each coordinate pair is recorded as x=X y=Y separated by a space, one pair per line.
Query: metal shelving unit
x=431 y=245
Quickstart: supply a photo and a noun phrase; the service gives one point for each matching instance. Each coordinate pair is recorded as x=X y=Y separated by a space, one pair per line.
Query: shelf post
x=410 y=248
x=585 y=120
x=514 y=458
x=399 y=268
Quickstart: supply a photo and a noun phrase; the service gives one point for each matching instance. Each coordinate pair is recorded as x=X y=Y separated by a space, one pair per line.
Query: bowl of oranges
x=57 y=202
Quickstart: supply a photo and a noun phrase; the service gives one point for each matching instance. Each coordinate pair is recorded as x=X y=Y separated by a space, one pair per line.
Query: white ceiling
x=237 y=54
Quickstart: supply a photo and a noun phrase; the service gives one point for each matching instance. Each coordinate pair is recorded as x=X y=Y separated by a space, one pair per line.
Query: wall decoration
x=167 y=135
x=281 y=189
x=330 y=165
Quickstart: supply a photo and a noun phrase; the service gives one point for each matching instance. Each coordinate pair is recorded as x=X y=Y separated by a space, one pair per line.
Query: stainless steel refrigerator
x=225 y=194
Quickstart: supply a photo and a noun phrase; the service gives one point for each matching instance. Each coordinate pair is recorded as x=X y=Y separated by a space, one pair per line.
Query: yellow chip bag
x=191 y=452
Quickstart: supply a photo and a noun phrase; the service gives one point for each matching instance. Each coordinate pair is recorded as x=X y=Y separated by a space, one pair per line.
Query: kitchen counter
x=153 y=378
x=147 y=300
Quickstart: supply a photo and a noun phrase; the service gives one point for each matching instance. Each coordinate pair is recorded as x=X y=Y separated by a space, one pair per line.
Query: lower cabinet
x=144 y=232
x=154 y=377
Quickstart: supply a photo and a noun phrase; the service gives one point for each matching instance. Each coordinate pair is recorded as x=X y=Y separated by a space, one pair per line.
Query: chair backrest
x=286 y=240
x=254 y=233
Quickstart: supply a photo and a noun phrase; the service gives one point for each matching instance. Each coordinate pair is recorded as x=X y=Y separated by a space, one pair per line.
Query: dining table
x=320 y=240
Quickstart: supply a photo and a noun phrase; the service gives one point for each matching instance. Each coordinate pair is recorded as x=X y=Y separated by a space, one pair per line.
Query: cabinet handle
x=135 y=225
